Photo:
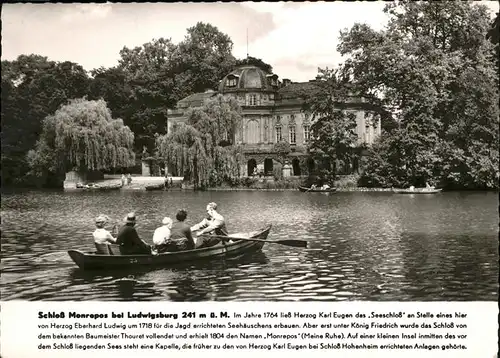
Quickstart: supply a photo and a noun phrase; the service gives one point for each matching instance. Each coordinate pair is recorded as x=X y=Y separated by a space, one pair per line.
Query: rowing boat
x=92 y=261
x=152 y=187
x=416 y=191
x=317 y=190
x=96 y=187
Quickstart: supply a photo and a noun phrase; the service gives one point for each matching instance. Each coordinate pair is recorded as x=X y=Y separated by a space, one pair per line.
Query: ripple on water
x=361 y=247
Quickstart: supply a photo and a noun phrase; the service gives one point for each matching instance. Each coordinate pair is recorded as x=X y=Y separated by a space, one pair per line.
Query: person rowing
x=213 y=224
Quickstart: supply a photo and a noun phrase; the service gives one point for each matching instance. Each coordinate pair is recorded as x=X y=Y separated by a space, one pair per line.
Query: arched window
x=279 y=135
x=292 y=135
x=307 y=132
x=278 y=131
x=306 y=125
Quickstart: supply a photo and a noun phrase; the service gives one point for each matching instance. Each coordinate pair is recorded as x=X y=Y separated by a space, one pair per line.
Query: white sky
x=295 y=38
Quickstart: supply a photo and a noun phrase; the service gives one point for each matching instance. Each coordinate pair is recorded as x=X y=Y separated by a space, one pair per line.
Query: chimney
x=286 y=82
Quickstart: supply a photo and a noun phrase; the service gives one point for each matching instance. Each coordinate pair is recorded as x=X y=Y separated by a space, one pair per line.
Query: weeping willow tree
x=81 y=136
x=203 y=149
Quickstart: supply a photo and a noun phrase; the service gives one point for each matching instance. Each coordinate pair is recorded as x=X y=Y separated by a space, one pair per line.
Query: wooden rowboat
x=151 y=187
x=416 y=191
x=92 y=261
x=94 y=187
x=317 y=190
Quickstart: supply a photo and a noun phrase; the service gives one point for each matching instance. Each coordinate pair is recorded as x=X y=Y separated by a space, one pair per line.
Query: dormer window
x=231 y=82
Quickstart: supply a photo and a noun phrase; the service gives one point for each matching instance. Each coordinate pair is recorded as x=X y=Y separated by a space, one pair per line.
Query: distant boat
x=159 y=186
x=97 y=187
x=417 y=191
x=317 y=190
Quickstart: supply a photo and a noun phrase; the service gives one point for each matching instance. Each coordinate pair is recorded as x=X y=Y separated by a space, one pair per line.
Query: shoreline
x=339 y=190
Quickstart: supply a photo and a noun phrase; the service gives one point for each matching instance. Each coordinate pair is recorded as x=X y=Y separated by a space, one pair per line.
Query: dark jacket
x=181 y=232
x=129 y=241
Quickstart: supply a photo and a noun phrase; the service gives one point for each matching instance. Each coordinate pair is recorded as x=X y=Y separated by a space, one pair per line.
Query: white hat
x=130 y=218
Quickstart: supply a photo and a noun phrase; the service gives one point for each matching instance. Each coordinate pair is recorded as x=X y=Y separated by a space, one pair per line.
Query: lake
x=362 y=246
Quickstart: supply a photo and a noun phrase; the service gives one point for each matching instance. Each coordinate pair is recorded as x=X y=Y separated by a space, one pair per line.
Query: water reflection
x=362 y=246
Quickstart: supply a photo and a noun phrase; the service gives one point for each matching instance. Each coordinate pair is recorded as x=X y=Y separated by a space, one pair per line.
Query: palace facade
x=272 y=111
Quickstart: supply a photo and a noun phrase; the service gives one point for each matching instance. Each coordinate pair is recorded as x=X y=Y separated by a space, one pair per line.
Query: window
x=252 y=100
x=271 y=95
x=307 y=130
x=231 y=82
x=292 y=135
x=278 y=135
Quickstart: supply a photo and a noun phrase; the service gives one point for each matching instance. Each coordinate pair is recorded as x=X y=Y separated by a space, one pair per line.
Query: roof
x=295 y=89
x=195 y=100
x=248 y=77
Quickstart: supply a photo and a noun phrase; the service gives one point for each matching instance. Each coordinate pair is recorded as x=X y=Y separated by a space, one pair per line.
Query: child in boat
x=161 y=236
x=102 y=237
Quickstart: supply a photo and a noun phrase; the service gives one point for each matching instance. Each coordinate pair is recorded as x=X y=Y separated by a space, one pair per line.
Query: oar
x=293 y=243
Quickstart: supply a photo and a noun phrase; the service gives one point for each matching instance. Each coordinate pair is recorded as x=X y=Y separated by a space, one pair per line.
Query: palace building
x=272 y=111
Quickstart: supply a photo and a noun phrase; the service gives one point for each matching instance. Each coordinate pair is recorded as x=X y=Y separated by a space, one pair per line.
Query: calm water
x=362 y=246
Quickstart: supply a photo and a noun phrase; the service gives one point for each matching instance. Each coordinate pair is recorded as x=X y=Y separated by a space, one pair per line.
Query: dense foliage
x=431 y=75
x=81 y=136
x=333 y=130
x=32 y=88
x=434 y=70
x=203 y=150
x=147 y=81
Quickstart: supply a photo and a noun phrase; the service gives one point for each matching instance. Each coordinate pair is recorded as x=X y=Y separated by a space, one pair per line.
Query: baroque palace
x=272 y=112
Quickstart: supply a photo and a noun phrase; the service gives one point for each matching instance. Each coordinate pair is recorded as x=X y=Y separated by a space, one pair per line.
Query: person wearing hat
x=161 y=235
x=213 y=224
x=128 y=239
x=102 y=237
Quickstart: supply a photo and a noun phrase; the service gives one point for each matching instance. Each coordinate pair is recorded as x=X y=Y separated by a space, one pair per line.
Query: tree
x=282 y=149
x=255 y=62
x=433 y=69
x=160 y=73
x=81 y=136
x=203 y=149
x=202 y=59
x=112 y=85
x=148 y=75
x=333 y=129
x=32 y=88
x=493 y=36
